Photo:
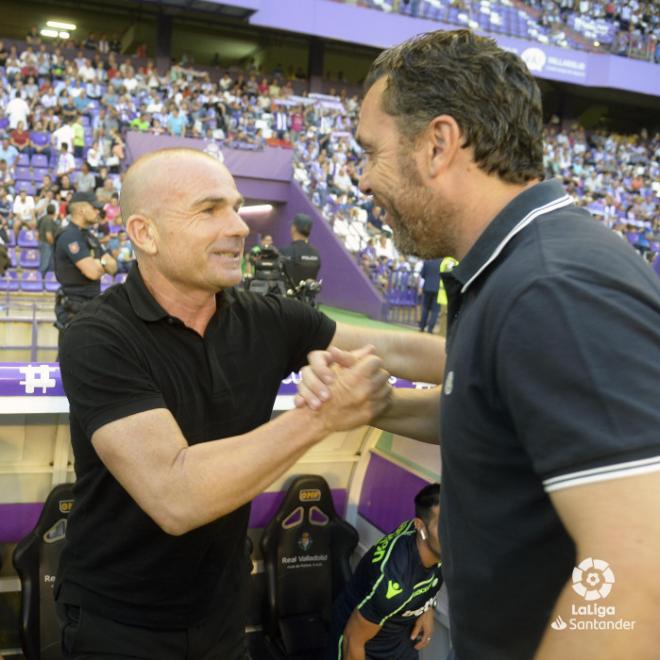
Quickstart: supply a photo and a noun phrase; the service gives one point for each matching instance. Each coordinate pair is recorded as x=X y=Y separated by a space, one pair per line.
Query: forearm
x=414 y=414
x=354 y=650
x=413 y=356
x=211 y=479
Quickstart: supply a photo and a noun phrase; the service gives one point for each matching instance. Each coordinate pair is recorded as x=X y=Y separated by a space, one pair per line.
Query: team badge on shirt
x=74 y=248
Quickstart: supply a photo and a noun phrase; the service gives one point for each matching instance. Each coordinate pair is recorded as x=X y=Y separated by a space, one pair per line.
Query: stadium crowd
x=630 y=29
x=63 y=118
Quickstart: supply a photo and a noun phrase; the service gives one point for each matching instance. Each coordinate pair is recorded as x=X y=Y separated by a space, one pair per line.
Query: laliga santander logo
x=534 y=58
x=593 y=579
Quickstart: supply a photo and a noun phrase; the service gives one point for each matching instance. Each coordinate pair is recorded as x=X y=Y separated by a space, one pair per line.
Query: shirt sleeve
x=75 y=247
x=388 y=594
x=303 y=328
x=102 y=379
x=578 y=369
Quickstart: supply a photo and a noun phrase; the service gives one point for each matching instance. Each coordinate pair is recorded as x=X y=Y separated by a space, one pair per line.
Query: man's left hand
x=423 y=627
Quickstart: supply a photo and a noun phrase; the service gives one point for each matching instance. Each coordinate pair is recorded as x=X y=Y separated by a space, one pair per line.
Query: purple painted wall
x=388 y=494
x=260 y=175
x=335 y=20
x=344 y=283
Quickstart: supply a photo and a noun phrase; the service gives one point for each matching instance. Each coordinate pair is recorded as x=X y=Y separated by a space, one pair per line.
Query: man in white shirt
x=23 y=210
x=17 y=110
x=63 y=135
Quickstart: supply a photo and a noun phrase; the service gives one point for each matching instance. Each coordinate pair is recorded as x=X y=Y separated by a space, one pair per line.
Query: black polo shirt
x=124 y=355
x=552 y=380
x=301 y=261
x=71 y=245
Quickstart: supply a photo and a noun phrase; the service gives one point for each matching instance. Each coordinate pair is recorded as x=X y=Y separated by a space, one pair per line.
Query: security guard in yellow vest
x=447 y=264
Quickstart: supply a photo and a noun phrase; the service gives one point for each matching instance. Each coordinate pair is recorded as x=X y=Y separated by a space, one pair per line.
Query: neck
x=485 y=196
x=426 y=555
x=194 y=307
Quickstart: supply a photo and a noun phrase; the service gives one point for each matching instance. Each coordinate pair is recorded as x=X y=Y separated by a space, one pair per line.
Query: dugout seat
x=306 y=550
x=35 y=560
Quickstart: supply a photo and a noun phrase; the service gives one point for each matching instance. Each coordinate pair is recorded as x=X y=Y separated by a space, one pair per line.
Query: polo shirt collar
x=145 y=305
x=542 y=198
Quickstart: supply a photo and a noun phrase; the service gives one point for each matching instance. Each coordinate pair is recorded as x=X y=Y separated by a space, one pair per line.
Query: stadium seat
x=50 y=281
x=39 y=160
x=23 y=173
x=9 y=281
x=23 y=160
x=28 y=238
x=31 y=280
x=35 y=560
x=25 y=185
x=306 y=549
x=29 y=258
x=120 y=278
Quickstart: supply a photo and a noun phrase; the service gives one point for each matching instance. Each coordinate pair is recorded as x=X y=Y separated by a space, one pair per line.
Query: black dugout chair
x=306 y=550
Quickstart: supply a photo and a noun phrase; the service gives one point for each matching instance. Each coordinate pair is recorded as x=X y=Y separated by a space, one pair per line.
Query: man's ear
x=443 y=141
x=143 y=233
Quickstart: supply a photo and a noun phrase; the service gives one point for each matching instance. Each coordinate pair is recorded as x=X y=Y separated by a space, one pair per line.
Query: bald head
x=159 y=179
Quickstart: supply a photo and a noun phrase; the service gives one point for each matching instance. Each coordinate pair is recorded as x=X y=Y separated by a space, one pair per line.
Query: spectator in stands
x=23 y=212
x=66 y=187
x=105 y=192
x=167 y=484
x=65 y=163
x=47 y=227
x=457 y=161
x=112 y=210
x=8 y=153
x=46 y=185
x=20 y=139
x=176 y=122
x=386 y=609
x=430 y=275
x=124 y=254
x=6 y=176
x=17 y=110
x=85 y=181
x=78 y=137
x=63 y=135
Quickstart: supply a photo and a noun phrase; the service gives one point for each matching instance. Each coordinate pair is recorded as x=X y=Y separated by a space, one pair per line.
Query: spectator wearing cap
x=301 y=260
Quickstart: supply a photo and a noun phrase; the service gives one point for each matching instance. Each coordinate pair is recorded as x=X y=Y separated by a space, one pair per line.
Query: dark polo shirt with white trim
x=552 y=381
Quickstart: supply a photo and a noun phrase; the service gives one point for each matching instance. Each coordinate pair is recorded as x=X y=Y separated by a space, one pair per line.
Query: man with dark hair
x=80 y=260
x=47 y=227
x=549 y=421
x=386 y=609
x=301 y=260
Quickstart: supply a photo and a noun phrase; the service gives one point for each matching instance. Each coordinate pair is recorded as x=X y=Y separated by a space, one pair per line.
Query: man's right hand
x=359 y=393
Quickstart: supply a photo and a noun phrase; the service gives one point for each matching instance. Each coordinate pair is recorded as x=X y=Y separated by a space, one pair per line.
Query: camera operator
x=254 y=256
x=301 y=260
x=80 y=259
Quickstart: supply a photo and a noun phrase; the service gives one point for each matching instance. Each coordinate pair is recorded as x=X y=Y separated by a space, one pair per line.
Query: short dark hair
x=425 y=500
x=488 y=91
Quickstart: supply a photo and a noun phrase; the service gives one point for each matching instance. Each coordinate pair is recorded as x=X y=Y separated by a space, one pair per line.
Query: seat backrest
x=35 y=559
x=306 y=549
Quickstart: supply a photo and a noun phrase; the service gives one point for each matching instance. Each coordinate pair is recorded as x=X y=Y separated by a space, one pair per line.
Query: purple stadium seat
x=120 y=278
x=13 y=259
x=29 y=258
x=78 y=162
x=23 y=160
x=38 y=173
x=12 y=239
x=106 y=281
x=23 y=173
x=25 y=185
x=656 y=264
x=31 y=280
x=50 y=281
x=4 y=123
x=9 y=281
x=28 y=239
x=39 y=160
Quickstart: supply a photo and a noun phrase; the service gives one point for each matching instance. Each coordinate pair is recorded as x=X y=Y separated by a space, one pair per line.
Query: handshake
x=346 y=389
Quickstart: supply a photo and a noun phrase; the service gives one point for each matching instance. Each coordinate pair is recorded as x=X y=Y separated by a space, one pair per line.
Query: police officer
x=301 y=260
x=80 y=260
